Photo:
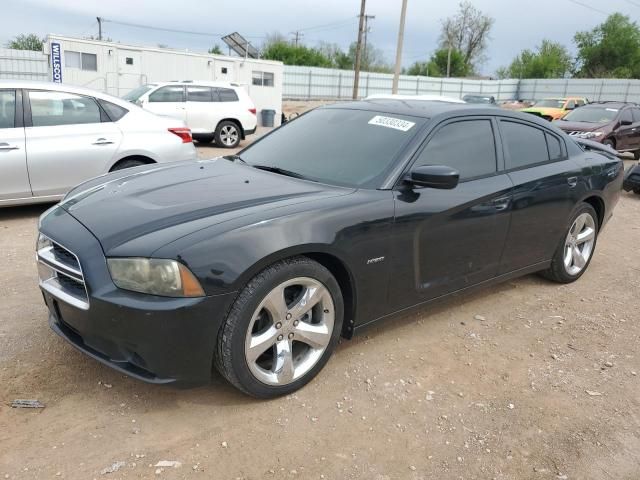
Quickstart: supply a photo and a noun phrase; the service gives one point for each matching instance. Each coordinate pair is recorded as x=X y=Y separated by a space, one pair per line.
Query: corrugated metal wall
x=324 y=83
x=23 y=65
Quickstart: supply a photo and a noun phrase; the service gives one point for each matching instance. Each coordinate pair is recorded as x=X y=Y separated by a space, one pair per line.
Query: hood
x=149 y=207
x=568 y=126
x=548 y=111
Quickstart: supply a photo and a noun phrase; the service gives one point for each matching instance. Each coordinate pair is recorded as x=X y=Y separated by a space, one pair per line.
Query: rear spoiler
x=596 y=147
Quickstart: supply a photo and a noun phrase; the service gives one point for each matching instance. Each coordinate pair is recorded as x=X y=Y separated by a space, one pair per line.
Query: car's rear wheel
x=227 y=134
x=610 y=142
x=128 y=163
x=282 y=328
x=636 y=155
x=576 y=249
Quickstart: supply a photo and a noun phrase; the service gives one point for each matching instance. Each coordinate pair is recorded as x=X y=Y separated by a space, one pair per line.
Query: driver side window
x=626 y=116
x=467 y=145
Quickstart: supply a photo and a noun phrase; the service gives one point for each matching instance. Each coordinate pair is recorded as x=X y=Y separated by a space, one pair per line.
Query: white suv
x=219 y=111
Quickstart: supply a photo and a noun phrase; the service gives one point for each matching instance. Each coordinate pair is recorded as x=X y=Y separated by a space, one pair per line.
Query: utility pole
x=99 y=27
x=356 y=78
x=367 y=29
x=298 y=35
x=396 y=73
x=449 y=60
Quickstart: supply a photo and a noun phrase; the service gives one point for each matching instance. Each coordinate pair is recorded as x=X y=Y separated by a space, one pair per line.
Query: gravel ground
x=525 y=380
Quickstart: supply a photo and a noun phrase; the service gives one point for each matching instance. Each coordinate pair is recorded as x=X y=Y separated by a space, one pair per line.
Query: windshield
x=353 y=148
x=592 y=115
x=550 y=103
x=136 y=93
x=476 y=99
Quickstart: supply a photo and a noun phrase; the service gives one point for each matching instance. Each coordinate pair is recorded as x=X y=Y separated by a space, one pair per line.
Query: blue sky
x=519 y=24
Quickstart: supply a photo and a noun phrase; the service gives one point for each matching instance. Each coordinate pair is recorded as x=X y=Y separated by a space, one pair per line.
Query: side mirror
x=433 y=176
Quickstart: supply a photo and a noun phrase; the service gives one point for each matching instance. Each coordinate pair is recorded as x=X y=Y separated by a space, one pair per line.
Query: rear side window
x=626 y=115
x=554 y=147
x=526 y=145
x=115 y=112
x=468 y=146
x=227 y=95
x=200 y=94
x=60 y=108
x=173 y=93
x=7 y=108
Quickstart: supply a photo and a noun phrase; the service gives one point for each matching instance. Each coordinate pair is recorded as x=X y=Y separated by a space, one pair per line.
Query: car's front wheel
x=576 y=249
x=227 y=134
x=281 y=329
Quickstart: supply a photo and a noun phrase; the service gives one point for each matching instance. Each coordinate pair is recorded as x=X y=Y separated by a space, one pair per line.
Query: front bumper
x=152 y=338
x=632 y=178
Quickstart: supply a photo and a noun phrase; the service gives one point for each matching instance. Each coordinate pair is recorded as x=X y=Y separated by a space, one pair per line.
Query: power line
x=589 y=7
x=630 y=2
x=172 y=30
x=329 y=25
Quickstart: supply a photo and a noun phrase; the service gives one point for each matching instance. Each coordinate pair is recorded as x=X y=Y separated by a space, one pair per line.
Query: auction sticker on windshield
x=391 y=122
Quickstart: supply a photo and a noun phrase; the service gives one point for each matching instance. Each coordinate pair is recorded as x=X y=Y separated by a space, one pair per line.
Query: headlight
x=591 y=134
x=43 y=242
x=167 y=278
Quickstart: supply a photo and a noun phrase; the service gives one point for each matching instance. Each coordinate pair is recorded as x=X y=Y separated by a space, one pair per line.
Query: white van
x=219 y=111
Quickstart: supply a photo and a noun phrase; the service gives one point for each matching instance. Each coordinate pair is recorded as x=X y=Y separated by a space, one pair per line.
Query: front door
x=14 y=178
x=628 y=136
x=168 y=101
x=68 y=141
x=446 y=240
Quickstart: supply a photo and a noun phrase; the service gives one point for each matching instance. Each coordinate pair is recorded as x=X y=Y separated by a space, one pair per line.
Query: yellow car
x=555 y=108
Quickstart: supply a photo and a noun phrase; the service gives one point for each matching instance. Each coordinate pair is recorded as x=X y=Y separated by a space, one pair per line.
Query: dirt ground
x=525 y=380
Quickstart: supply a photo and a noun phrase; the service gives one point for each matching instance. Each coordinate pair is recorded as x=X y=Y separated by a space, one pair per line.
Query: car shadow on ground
x=24 y=211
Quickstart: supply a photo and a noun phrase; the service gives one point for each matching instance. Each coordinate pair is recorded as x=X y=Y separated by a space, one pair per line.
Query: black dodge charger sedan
x=257 y=263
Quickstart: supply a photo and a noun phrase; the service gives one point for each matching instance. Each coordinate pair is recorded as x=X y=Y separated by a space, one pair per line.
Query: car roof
x=427 y=97
x=610 y=104
x=204 y=83
x=430 y=109
x=62 y=87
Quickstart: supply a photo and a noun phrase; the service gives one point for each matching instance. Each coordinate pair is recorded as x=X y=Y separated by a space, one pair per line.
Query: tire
x=610 y=142
x=128 y=163
x=227 y=134
x=200 y=138
x=255 y=315
x=636 y=191
x=563 y=269
x=636 y=155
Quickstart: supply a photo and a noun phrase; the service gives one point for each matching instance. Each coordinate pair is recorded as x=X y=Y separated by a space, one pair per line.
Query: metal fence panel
x=312 y=83
x=23 y=65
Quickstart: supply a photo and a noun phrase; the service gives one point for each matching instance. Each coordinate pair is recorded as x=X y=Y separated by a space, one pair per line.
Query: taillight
x=252 y=110
x=183 y=133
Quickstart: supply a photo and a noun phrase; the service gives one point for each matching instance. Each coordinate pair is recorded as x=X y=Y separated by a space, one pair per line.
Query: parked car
x=632 y=179
x=616 y=124
x=53 y=137
x=256 y=263
x=485 y=99
x=424 y=98
x=554 y=108
x=219 y=111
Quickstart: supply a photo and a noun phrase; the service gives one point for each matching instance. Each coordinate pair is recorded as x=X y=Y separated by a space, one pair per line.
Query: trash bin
x=268 y=117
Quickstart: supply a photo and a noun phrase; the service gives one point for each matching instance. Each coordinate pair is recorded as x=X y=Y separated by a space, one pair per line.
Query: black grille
x=64 y=256
x=72 y=286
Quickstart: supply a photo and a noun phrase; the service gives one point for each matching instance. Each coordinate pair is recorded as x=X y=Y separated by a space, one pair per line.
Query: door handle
x=6 y=146
x=102 y=141
x=501 y=203
x=572 y=181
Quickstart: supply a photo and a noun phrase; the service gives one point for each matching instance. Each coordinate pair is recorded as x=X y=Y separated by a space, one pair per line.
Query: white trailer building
x=116 y=68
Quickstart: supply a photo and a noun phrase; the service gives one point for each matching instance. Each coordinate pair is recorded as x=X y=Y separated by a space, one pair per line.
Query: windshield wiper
x=281 y=171
x=233 y=158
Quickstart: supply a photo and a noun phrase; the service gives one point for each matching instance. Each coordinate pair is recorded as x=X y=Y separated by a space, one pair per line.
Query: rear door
x=168 y=101
x=203 y=109
x=546 y=186
x=446 y=240
x=14 y=178
x=69 y=140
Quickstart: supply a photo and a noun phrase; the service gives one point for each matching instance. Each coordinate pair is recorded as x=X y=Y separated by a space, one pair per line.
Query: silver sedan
x=54 y=136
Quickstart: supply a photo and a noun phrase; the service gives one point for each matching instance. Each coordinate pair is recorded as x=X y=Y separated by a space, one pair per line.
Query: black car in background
x=256 y=263
x=616 y=124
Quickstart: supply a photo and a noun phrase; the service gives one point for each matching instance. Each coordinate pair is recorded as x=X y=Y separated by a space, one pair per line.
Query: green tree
x=436 y=66
x=26 y=42
x=611 y=49
x=292 y=55
x=371 y=60
x=549 y=60
x=468 y=32
x=216 y=50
